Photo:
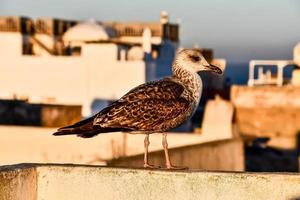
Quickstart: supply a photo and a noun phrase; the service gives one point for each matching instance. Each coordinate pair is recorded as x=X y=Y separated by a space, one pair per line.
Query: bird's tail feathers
x=87 y=133
x=81 y=123
x=80 y=128
x=83 y=134
x=85 y=129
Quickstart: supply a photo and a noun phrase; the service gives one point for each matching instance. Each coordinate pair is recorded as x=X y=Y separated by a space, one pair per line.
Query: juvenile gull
x=153 y=107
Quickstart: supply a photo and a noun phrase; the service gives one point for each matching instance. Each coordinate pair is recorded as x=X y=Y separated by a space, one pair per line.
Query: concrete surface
x=18 y=182
x=224 y=155
x=265 y=96
x=87 y=182
x=268 y=111
x=36 y=144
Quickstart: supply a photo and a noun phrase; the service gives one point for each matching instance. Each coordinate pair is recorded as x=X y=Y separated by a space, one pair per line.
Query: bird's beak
x=213 y=68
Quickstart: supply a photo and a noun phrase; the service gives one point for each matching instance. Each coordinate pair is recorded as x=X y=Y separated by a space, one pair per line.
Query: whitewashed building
x=81 y=63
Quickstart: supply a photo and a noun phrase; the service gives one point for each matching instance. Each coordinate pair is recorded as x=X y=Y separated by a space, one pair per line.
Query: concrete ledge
x=92 y=182
x=18 y=182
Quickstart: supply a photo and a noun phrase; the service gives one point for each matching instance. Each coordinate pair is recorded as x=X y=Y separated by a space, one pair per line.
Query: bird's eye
x=195 y=58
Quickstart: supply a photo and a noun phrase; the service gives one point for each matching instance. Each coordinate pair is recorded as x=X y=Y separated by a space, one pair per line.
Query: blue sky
x=238 y=30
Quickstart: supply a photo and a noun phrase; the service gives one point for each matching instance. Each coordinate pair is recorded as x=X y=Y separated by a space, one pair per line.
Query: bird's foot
x=148 y=166
x=176 y=167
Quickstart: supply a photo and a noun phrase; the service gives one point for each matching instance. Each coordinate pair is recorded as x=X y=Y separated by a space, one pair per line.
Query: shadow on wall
x=17 y=112
x=260 y=158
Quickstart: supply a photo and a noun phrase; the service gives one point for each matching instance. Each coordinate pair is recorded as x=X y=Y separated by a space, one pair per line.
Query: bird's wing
x=145 y=108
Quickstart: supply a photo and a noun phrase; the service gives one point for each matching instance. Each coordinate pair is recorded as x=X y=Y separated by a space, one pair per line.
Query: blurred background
x=62 y=61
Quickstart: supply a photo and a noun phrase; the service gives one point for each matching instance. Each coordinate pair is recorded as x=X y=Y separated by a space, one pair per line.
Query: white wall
x=39 y=78
x=100 y=52
x=69 y=80
x=10 y=44
x=20 y=144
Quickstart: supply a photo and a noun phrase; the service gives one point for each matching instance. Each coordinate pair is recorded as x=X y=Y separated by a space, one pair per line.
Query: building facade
x=81 y=63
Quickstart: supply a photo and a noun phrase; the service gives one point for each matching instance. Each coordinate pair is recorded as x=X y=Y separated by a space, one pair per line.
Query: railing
x=280 y=64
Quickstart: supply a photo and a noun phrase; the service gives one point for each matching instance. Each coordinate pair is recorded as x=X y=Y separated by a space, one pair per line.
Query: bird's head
x=192 y=60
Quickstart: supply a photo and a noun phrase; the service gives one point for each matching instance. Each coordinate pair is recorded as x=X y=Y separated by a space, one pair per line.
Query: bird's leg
x=146 y=145
x=168 y=161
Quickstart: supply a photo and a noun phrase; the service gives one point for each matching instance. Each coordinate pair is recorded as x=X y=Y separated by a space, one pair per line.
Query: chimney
x=164 y=17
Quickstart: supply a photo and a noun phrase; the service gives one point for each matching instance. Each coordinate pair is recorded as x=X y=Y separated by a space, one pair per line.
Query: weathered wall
x=265 y=96
x=267 y=110
x=86 y=182
x=18 y=183
x=225 y=155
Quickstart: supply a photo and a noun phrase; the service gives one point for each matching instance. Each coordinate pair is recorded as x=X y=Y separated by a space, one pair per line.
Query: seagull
x=153 y=107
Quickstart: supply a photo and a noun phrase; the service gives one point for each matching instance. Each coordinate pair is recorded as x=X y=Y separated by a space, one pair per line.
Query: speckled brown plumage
x=151 y=107
x=148 y=108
